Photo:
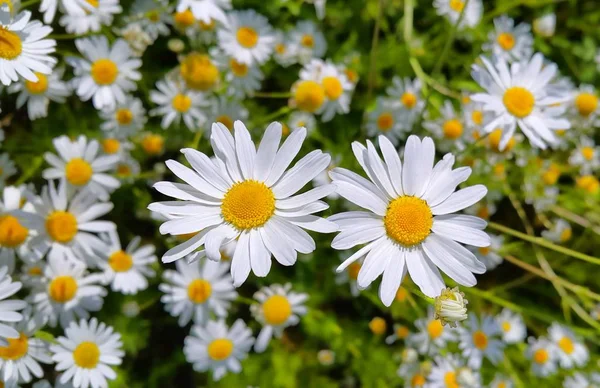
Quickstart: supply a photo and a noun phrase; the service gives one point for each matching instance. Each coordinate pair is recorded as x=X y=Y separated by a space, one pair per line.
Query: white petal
x=460 y=200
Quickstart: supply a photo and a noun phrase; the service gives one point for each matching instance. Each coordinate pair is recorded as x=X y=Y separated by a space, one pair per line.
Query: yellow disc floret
x=199 y=72
x=452 y=129
x=37 y=87
x=435 y=328
x=518 y=101
x=408 y=220
x=12 y=233
x=248 y=204
x=78 y=172
x=506 y=41
x=16 y=349
x=86 y=355
x=409 y=100
x=111 y=146
x=238 y=69
x=586 y=104
x=480 y=340
x=62 y=289
x=333 y=88
x=277 y=310
x=104 y=71
x=120 y=261
x=10 y=44
x=247 y=37
x=181 y=103
x=220 y=348
x=309 y=96
x=199 y=290
x=124 y=116
x=61 y=226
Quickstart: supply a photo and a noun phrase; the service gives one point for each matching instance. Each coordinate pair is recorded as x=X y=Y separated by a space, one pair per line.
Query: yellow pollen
x=501 y=384
x=248 y=204
x=93 y=3
x=277 y=310
x=16 y=349
x=540 y=356
x=181 y=103
x=226 y=121
x=38 y=87
x=506 y=41
x=435 y=328
x=104 y=71
x=111 y=146
x=409 y=100
x=457 y=5
x=586 y=104
x=86 y=355
x=199 y=72
x=247 y=37
x=351 y=74
x=124 y=116
x=12 y=233
x=307 y=41
x=499 y=169
x=518 y=101
x=418 y=380
x=401 y=294
x=452 y=129
x=219 y=349
x=408 y=220
x=450 y=380
x=153 y=144
x=385 y=121
x=353 y=270
x=207 y=26
x=61 y=226
x=480 y=340
x=333 y=88
x=587 y=152
x=10 y=44
x=484 y=251
x=309 y=96
x=566 y=345
x=34 y=271
x=378 y=326
x=483 y=212
x=402 y=332
x=494 y=139
x=238 y=69
x=120 y=261
x=588 y=183
x=62 y=288
x=506 y=326
x=184 y=19
x=280 y=48
x=123 y=170
x=199 y=290
x=477 y=117
x=551 y=175
x=566 y=234
x=78 y=172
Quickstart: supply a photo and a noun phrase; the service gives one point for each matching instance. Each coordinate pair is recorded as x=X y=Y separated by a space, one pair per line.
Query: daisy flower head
x=248 y=37
x=106 y=73
x=543 y=355
x=199 y=71
x=349 y=276
x=69 y=292
x=7 y=169
x=308 y=41
x=448 y=129
x=561 y=231
x=79 y=165
x=278 y=307
x=9 y=308
x=127 y=168
x=449 y=371
x=86 y=353
x=513 y=43
x=124 y=118
x=481 y=338
x=406 y=94
x=545 y=25
x=284 y=51
x=518 y=96
x=469 y=12
x=408 y=223
x=112 y=145
x=23 y=49
x=431 y=335
x=243 y=79
x=96 y=13
x=218 y=348
x=584 y=109
x=197 y=290
x=152 y=16
x=299 y=119
x=206 y=10
x=386 y=120
x=32 y=274
x=570 y=351
x=501 y=381
x=245 y=193
x=137 y=39
x=581 y=380
x=401 y=333
x=489 y=255
x=176 y=103
x=586 y=156
x=226 y=111
x=338 y=91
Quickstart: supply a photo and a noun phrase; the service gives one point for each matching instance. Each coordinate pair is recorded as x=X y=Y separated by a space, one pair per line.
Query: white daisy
x=570 y=350
x=299 y=119
x=243 y=79
x=32 y=274
x=218 y=348
x=448 y=129
x=475 y=119
x=23 y=49
x=337 y=91
x=127 y=168
x=543 y=356
x=449 y=371
x=385 y=120
x=406 y=94
x=308 y=41
x=519 y=96
x=584 y=109
x=246 y=194
x=513 y=43
x=278 y=307
x=106 y=73
x=431 y=335
x=177 y=103
x=481 y=338
x=248 y=37
x=284 y=52
x=137 y=39
x=409 y=224
x=9 y=308
x=115 y=146
x=7 y=169
x=199 y=71
x=401 y=333
x=197 y=290
x=152 y=16
x=206 y=10
x=97 y=13
x=501 y=381
x=581 y=380
x=452 y=10
x=586 y=156
x=124 y=118
x=489 y=255
x=561 y=231
x=86 y=354
x=226 y=111
x=545 y=25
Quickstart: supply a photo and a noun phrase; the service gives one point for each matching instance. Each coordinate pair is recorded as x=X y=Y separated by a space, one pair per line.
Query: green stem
x=278 y=113
x=272 y=94
x=409 y=7
x=374 y=44
x=26 y=4
x=35 y=165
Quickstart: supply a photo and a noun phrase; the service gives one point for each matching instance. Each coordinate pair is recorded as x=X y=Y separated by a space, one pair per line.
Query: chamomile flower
x=226 y=111
x=106 y=73
x=409 y=225
x=299 y=119
x=32 y=274
x=401 y=333
x=449 y=371
x=543 y=356
x=519 y=97
x=206 y=10
x=586 y=156
x=124 y=118
x=127 y=167
x=326 y=357
x=79 y=164
x=197 y=290
x=481 y=338
x=308 y=40
x=176 y=104
x=489 y=255
x=115 y=146
x=278 y=307
x=243 y=79
x=337 y=91
x=432 y=335
x=7 y=169
x=385 y=120
x=581 y=380
x=218 y=348
x=448 y=129
x=561 y=231
x=97 y=13
x=501 y=381
x=199 y=72
x=349 y=276
x=545 y=25
x=24 y=50
x=9 y=308
x=570 y=350
x=246 y=194
x=86 y=354
x=284 y=52
x=248 y=37
x=406 y=94
x=453 y=10
x=584 y=109
x=70 y=292
x=152 y=16
x=513 y=43
x=137 y=39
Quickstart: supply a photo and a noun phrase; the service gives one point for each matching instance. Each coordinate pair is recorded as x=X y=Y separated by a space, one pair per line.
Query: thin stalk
x=272 y=94
x=575 y=218
x=374 y=44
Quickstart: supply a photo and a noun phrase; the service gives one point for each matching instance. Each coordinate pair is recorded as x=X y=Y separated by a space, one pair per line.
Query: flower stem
x=272 y=94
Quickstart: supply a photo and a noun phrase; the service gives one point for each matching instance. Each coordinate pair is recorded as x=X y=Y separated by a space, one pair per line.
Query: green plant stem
x=575 y=218
x=272 y=94
x=409 y=6
x=35 y=165
x=372 y=55
x=28 y=3
x=278 y=113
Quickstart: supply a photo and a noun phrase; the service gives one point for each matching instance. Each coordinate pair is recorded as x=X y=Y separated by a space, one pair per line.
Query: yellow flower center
x=586 y=104
x=309 y=96
x=184 y=19
x=226 y=121
x=506 y=41
x=483 y=212
x=62 y=288
x=220 y=348
x=409 y=100
x=501 y=384
x=248 y=204
x=587 y=152
x=494 y=139
x=280 y=48
x=499 y=169
x=477 y=117
x=37 y=87
x=207 y=26
x=518 y=101
x=16 y=349
x=480 y=340
x=104 y=71
x=402 y=332
x=378 y=326
x=408 y=220
x=401 y=294
x=551 y=175
x=566 y=345
x=277 y=310
x=540 y=356
x=93 y=3
x=123 y=170
x=124 y=116
x=484 y=251
x=247 y=37
x=181 y=103
x=120 y=261
x=34 y=271
x=457 y=5
x=385 y=121
x=199 y=290
x=506 y=326
x=465 y=100
x=452 y=129
x=86 y=355
x=61 y=226
x=78 y=172
x=153 y=144
x=12 y=233
x=351 y=74
x=333 y=87
x=588 y=183
x=566 y=234
x=353 y=270
x=307 y=41
x=199 y=72
x=435 y=328
x=285 y=130
x=450 y=380
x=237 y=68
x=418 y=380
x=153 y=15
x=111 y=146
x=10 y=44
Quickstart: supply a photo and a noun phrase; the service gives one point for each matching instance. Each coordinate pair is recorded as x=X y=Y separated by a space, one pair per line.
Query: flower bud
x=450 y=307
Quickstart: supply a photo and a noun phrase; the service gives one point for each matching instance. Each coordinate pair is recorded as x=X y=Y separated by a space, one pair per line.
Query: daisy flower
x=481 y=338
x=561 y=231
x=501 y=381
x=7 y=169
x=152 y=16
x=284 y=52
x=452 y=10
x=401 y=333
x=448 y=129
x=86 y=353
x=32 y=274
x=519 y=97
x=248 y=37
x=226 y=111
x=326 y=357
x=124 y=118
x=127 y=168
x=512 y=43
x=115 y=146
x=199 y=71
x=584 y=109
x=586 y=156
x=581 y=380
x=137 y=39
x=337 y=91
x=246 y=194
x=570 y=350
x=24 y=50
x=79 y=164
x=349 y=276
x=409 y=225
x=449 y=371
x=206 y=10
x=489 y=255
x=406 y=94
x=218 y=348
x=106 y=73
x=97 y=13
x=545 y=25
x=176 y=103
x=385 y=120
x=9 y=308
x=308 y=40
x=543 y=355
x=153 y=144
x=300 y=119
x=431 y=335
x=278 y=307
x=243 y=79
x=38 y=94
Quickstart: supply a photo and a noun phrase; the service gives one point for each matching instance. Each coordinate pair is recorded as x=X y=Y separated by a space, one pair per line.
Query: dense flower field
x=299 y=193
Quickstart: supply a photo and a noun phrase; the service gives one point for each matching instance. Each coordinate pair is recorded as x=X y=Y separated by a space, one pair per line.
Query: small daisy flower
x=206 y=10
x=561 y=231
x=9 y=308
x=584 y=109
x=137 y=39
x=79 y=164
x=284 y=52
x=124 y=119
x=127 y=168
x=406 y=94
x=570 y=350
x=115 y=146
x=106 y=73
x=450 y=306
x=432 y=335
x=401 y=333
x=243 y=79
x=489 y=255
x=501 y=381
x=449 y=371
x=197 y=290
x=581 y=380
x=176 y=103
x=326 y=357
x=299 y=119
x=385 y=120
x=586 y=156
x=278 y=307
x=308 y=40
x=227 y=111
x=543 y=356
x=481 y=338
x=86 y=354
x=378 y=326
x=32 y=274
x=24 y=50
x=448 y=129
x=452 y=10
x=7 y=169
x=512 y=325
x=153 y=144
x=97 y=13
x=248 y=37
x=218 y=348
x=152 y=16
x=338 y=91
x=545 y=25
x=513 y=43
x=474 y=118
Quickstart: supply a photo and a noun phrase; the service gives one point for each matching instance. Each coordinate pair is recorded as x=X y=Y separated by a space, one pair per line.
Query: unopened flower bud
x=450 y=307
